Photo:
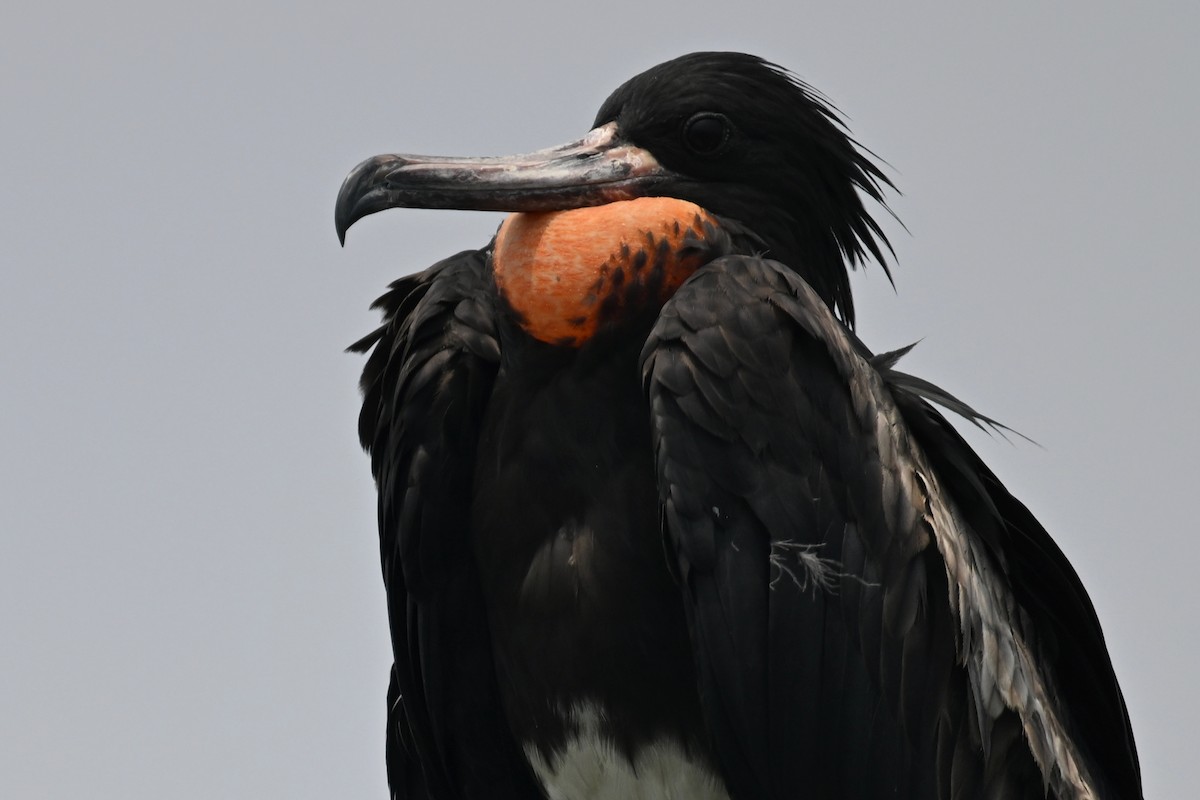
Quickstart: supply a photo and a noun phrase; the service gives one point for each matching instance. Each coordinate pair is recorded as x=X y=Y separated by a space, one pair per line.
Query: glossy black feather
x=1044 y=583
x=425 y=387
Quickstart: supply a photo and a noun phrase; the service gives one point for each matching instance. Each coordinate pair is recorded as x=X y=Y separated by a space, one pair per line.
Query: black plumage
x=722 y=523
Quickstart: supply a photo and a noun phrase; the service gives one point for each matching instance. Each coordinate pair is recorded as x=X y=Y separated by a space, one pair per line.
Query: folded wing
x=863 y=624
x=425 y=385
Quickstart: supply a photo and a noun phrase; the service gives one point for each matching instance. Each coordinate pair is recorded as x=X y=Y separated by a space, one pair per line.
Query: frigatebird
x=655 y=523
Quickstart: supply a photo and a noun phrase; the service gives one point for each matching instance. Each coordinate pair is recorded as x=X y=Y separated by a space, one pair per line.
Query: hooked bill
x=567 y=273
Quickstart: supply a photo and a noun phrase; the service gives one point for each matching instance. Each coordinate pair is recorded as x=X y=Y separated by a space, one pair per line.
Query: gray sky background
x=190 y=603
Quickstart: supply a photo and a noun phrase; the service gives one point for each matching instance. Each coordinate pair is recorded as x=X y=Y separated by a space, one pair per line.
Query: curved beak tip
x=355 y=192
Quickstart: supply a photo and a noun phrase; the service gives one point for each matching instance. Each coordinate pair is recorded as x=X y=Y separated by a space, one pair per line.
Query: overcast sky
x=190 y=602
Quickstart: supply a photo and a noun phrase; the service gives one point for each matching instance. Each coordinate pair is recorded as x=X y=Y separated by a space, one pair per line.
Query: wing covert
x=1043 y=582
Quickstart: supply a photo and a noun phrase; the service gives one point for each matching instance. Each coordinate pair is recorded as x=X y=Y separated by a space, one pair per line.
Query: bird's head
x=729 y=132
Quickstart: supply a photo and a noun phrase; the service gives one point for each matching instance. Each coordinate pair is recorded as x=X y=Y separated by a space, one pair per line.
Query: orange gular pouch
x=568 y=273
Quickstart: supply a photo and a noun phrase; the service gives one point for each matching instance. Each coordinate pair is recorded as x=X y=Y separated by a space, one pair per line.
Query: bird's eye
x=706 y=133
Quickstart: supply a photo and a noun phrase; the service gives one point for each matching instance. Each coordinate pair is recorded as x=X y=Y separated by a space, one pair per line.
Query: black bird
x=654 y=523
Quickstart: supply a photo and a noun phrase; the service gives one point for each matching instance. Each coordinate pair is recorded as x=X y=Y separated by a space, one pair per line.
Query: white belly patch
x=591 y=768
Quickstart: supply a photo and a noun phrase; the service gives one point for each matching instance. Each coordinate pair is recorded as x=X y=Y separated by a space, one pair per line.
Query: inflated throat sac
x=568 y=273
